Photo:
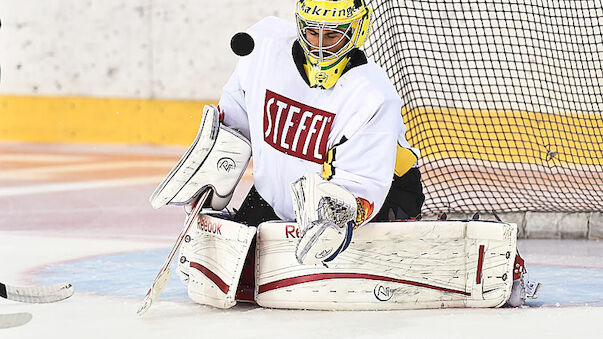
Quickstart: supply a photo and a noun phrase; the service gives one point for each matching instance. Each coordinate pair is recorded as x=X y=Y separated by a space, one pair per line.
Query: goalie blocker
x=214 y=164
x=387 y=266
x=217 y=158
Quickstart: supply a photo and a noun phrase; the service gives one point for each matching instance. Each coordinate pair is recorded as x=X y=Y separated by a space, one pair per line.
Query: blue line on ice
x=124 y=275
x=131 y=274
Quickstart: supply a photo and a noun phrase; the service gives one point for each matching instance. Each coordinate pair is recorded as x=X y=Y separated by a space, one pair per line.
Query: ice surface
x=110 y=243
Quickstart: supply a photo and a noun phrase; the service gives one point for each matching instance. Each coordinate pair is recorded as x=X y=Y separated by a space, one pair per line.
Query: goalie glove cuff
x=325 y=214
x=345 y=243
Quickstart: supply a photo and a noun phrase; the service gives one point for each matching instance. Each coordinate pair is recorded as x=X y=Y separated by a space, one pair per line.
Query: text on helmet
x=335 y=13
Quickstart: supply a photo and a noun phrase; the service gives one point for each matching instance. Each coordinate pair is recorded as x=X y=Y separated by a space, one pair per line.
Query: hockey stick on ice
x=37 y=294
x=163 y=277
x=14 y=319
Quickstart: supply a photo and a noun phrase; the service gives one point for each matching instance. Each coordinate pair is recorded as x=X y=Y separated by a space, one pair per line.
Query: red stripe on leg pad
x=324 y=276
x=211 y=276
x=480 y=264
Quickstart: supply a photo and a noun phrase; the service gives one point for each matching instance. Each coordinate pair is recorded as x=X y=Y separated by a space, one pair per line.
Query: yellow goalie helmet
x=327 y=31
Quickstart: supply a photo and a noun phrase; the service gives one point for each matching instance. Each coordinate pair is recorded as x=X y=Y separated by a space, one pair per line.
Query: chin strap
x=356 y=58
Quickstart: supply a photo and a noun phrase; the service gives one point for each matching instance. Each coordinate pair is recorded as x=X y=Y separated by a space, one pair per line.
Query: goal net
x=503 y=98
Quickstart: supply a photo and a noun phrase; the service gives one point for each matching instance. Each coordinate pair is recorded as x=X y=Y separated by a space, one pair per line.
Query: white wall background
x=170 y=49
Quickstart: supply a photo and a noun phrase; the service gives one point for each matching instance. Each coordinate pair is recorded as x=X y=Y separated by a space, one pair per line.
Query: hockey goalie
x=333 y=176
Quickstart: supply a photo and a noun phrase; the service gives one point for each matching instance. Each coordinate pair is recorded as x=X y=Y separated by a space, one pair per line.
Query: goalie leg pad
x=393 y=265
x=218 y=158
x=216 y=259
x=325 y=213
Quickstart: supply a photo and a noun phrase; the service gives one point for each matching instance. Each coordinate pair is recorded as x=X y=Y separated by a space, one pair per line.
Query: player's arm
x=232 y=102
x=221 y=151
x=354 y=183
x=364 y=161
x=218 y=156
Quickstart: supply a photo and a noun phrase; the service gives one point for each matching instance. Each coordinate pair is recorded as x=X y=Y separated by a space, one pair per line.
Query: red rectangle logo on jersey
x=296 y=129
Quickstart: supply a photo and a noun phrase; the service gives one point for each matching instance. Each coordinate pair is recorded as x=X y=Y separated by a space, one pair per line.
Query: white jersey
x=292 y=127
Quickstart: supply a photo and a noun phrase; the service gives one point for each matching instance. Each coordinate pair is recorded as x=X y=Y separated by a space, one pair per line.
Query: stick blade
x=146 y=304
x=40 y=294
x=14 y=319
x=159 y=285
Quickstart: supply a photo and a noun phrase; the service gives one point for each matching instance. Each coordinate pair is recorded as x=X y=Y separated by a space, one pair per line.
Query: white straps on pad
x=325 y=212
x=218 y=158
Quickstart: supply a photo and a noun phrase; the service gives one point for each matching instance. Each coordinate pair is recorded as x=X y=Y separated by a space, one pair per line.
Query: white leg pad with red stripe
x=393 y=265
x=216 y=260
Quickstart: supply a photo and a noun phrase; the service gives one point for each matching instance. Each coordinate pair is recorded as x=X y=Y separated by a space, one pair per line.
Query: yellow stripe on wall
x=490 y=135
x=99 y=120
x=507 y=136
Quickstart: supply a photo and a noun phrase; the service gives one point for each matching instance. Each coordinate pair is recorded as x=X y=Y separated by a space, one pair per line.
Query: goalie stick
x=163 y=277
x=37 y=294
x=14 y=319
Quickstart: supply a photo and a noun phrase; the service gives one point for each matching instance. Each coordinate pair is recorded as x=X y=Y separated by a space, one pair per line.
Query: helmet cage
x=322 y=53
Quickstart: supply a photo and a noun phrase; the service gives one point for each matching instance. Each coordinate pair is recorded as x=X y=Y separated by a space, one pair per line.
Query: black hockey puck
x=242 y=44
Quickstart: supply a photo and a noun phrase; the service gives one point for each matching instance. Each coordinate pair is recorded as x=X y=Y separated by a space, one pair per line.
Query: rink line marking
x=43 y=158
x=46 y=171
x=585 y=267
x=77 y=186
